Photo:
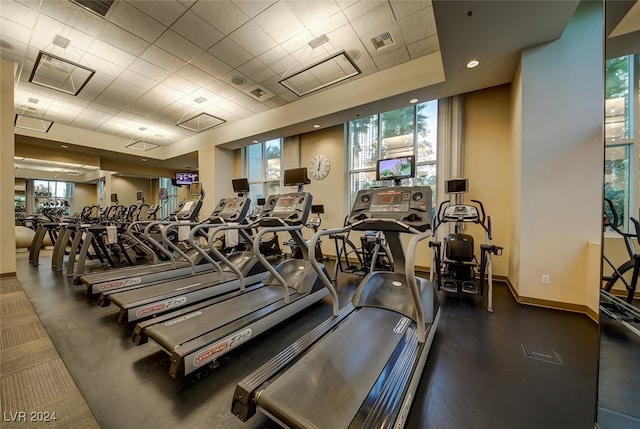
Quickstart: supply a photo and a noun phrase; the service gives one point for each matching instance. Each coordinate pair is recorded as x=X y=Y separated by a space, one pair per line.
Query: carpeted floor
x=36 y=388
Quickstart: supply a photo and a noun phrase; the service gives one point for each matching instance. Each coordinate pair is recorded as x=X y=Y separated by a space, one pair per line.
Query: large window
x=264 y=168
x=411 y=130
x=621 y=176
x=48 y=193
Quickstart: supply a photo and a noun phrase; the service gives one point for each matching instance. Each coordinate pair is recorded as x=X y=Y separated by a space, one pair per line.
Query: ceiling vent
x=100 y=7
x=382 y=41
x=259 y=93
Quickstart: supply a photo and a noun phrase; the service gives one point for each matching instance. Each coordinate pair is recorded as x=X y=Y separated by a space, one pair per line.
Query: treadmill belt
x=339 y=370
x=157 y=291
x=174 y=332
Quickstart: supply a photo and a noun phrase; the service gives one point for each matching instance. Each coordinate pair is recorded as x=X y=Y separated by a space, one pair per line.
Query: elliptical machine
x=454 y=264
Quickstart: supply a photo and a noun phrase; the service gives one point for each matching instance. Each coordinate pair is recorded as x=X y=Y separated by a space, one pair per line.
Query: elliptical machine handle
x=484 y=215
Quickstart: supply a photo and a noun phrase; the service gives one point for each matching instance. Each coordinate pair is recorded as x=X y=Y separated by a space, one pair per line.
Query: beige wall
x=560 y=168
x=487 y=164
x=84 y=195
x=127 y=188
x=7 y=184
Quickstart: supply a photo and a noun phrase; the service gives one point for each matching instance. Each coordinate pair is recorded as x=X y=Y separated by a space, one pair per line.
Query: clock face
x=319 y=167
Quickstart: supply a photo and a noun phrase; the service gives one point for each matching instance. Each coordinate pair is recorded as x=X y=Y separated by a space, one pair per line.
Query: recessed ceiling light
x=316 y=125
x=255 y=141
x=144 y=160
x=473 y=63
x=64 y=146
x=200 y=100
x=413 y=101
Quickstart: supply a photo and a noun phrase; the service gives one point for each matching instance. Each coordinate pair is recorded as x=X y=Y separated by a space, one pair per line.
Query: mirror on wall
x=618 y=378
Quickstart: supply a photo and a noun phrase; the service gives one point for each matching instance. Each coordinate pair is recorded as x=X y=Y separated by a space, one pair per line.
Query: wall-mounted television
x=296 y=177
x=240 y=185
x=396 y=169
x=186 y=178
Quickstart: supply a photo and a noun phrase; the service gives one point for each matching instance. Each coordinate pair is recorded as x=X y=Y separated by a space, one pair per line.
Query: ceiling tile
x=253 y=7
x=133 y=20
x=170 y=92
x=391 y=58
x=117 y=36
x=299 y=41
x=112 y=54
x=279 y=22
x=220 y=88
x=222 y=14
x=177 y=45
x=138 y=80
x=273 y=55
x=257 y=70
x=17 y=13
x=313 y=12
x=166 y=12
x=89 y=121
x=403 y=8
x=151 y=102
x=104 y=109
x=418 y=26
x=253 y=39
x=197 y=30
x=149 y=70
x=180 y=85
x=211 y=65
x=195 y=75
x=123 y=91
x=72 y=15
x=163 y=59
x=424 y=47
x=230 y=52
x=374 y=17
x=101 y=66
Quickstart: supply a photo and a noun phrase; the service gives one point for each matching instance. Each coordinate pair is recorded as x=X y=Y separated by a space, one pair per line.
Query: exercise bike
x=454 y=263
x=626 y=275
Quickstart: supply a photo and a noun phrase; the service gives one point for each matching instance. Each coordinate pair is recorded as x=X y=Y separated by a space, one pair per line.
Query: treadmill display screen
x=390 y=199
x=285 y=204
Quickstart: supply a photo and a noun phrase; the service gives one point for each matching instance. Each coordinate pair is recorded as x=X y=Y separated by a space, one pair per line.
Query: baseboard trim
x=3 y=275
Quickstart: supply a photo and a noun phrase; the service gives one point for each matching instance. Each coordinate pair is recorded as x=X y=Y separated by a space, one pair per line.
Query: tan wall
x=127 y=188
x=7 y=184
x=84 y=195
x=487 y=164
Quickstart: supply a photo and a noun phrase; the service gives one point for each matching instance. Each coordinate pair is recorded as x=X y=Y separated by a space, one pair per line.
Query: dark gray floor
x=477 y=375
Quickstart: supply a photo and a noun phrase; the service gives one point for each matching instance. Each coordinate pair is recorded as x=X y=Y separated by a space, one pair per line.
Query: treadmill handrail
x=219 y=254
x=263 y=260
x=376 y=220
x=316 y=266
x=151 y=240
x=410 y=274
x=165 y=239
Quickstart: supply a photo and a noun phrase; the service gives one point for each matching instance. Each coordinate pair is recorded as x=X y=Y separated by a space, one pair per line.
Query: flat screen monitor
x=456 y=186
x=296 y=177
x=114 y=198
x=261 y=201
x=186 y=178
x=401 y=167
x=240 y=185
x=163 y=194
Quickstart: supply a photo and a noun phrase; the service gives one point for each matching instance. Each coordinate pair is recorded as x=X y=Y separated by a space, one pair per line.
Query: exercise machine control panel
x=292 y=209
x=409 y=205
x=231 y=209
x=188 y=210
x=460 y=213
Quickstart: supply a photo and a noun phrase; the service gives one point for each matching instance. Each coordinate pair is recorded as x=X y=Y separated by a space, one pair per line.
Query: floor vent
x=549 y=356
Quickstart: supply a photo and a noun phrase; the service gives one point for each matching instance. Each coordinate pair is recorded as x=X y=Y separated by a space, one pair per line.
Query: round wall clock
x=319 y=167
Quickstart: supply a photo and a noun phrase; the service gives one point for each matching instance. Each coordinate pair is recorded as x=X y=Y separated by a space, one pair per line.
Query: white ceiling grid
x=154 y=58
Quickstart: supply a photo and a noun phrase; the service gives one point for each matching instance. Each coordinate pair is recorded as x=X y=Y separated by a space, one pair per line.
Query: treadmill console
x=409 y=205
x=460 y=213
x=292 y=208
x=231 y=209
x=189 y=210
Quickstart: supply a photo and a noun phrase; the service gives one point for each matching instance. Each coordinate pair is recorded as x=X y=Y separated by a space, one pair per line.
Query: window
x=410 y=130
x=47 y=194
x=168 y=206
x=621 y=175
x=264 y=168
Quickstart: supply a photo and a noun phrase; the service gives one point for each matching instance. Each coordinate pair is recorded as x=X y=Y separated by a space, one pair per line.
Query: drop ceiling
x=159 y=63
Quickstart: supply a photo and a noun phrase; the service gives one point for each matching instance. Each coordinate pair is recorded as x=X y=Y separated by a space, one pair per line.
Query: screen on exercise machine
x=457 y=186
x=402 y=167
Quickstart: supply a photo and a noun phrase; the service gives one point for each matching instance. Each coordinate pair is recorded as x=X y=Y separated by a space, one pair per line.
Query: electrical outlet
x=546 y=279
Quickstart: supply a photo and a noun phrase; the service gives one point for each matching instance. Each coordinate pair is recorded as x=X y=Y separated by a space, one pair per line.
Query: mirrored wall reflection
x=619 y=372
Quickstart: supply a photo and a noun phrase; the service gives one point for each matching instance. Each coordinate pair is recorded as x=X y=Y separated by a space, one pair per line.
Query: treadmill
x=360 y=368
x=200 y=335
x=139 y=302
x=96 y=283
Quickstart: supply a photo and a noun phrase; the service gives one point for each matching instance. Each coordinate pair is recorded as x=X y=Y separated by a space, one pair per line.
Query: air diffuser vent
x=382 y=41
x=259 y=93
x=101 y=7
